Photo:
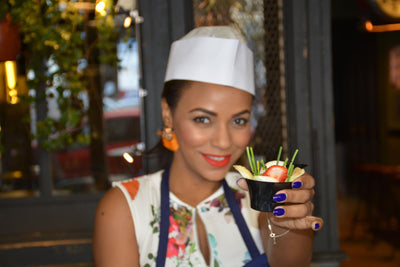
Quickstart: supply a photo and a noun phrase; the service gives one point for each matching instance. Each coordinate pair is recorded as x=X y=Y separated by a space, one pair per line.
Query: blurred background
x=80 y=86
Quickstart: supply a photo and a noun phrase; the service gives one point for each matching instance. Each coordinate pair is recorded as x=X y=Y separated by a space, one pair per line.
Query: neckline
x=219 y=192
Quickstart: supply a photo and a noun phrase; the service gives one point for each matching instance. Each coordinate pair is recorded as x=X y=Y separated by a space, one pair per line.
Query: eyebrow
x=215 y=114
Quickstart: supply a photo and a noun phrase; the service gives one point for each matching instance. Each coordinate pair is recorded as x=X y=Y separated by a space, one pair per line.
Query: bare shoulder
x=113 y=203
x=114 y=237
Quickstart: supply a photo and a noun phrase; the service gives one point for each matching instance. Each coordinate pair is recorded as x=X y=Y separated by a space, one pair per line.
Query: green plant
x=59 y=42
x=3 y=10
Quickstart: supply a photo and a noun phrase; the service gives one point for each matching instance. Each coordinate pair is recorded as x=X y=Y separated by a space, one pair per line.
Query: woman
x=196 y=212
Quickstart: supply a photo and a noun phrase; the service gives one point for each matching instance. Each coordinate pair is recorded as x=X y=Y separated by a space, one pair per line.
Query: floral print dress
x=227 y=247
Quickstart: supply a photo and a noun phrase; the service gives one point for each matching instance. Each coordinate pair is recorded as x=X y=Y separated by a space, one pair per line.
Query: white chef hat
x=212 y=54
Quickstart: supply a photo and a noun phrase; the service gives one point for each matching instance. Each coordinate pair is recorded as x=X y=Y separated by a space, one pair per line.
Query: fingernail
x=316 y=226
x=297 y=184
x=279 y=197
x=278 y=212
x=238 y=180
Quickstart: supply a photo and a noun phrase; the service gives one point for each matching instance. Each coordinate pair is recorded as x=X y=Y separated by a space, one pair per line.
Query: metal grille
x=271 y=129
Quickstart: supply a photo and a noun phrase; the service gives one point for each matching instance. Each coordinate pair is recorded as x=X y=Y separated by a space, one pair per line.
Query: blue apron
x=257 y=258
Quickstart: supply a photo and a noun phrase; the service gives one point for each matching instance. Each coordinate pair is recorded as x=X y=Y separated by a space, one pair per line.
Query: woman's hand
x=296 y=214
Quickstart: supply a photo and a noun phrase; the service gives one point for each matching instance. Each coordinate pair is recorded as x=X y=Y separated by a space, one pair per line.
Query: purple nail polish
x=297 y=184
x=279 y=197
x=316 y=226
x=278 y=212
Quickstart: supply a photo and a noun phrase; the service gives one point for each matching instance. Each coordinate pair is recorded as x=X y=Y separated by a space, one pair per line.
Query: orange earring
x=168 y=138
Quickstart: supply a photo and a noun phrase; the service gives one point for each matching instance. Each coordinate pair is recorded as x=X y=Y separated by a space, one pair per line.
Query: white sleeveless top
x=227 y=247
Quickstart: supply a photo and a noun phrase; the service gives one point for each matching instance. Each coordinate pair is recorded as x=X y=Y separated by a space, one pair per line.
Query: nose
x=221 y=137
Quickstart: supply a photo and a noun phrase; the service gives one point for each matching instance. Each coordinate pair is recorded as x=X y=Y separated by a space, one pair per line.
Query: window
x=72 y=168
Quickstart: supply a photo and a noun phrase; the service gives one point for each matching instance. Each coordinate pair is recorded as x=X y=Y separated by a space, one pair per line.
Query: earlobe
x=168 y=136
x=166 y=113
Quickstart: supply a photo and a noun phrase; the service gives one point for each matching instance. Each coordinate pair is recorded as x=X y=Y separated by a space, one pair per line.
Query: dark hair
x=172 y=92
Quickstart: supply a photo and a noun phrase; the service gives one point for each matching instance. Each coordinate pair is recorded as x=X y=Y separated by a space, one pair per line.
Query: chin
x=217 y=174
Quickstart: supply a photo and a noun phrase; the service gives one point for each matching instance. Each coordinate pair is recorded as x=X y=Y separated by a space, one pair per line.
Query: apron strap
x=164 y=223
x=244 y=230
x=258 y=262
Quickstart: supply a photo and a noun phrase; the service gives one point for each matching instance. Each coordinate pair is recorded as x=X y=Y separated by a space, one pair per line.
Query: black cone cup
x=261 y=194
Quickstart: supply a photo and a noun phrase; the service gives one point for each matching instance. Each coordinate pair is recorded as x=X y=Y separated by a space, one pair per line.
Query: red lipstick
x=217 y=160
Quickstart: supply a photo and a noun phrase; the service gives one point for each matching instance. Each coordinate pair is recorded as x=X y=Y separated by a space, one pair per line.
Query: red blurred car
x=122 y=129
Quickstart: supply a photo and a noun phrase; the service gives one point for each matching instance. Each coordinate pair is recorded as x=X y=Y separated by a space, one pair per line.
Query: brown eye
x=202 y=120
x=240 y=121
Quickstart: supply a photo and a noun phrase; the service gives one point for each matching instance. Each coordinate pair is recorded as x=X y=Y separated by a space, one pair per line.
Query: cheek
x=242 y=138
x=191 y=136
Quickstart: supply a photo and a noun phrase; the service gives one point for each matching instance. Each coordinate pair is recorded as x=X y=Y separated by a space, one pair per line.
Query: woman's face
x=212 y=125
